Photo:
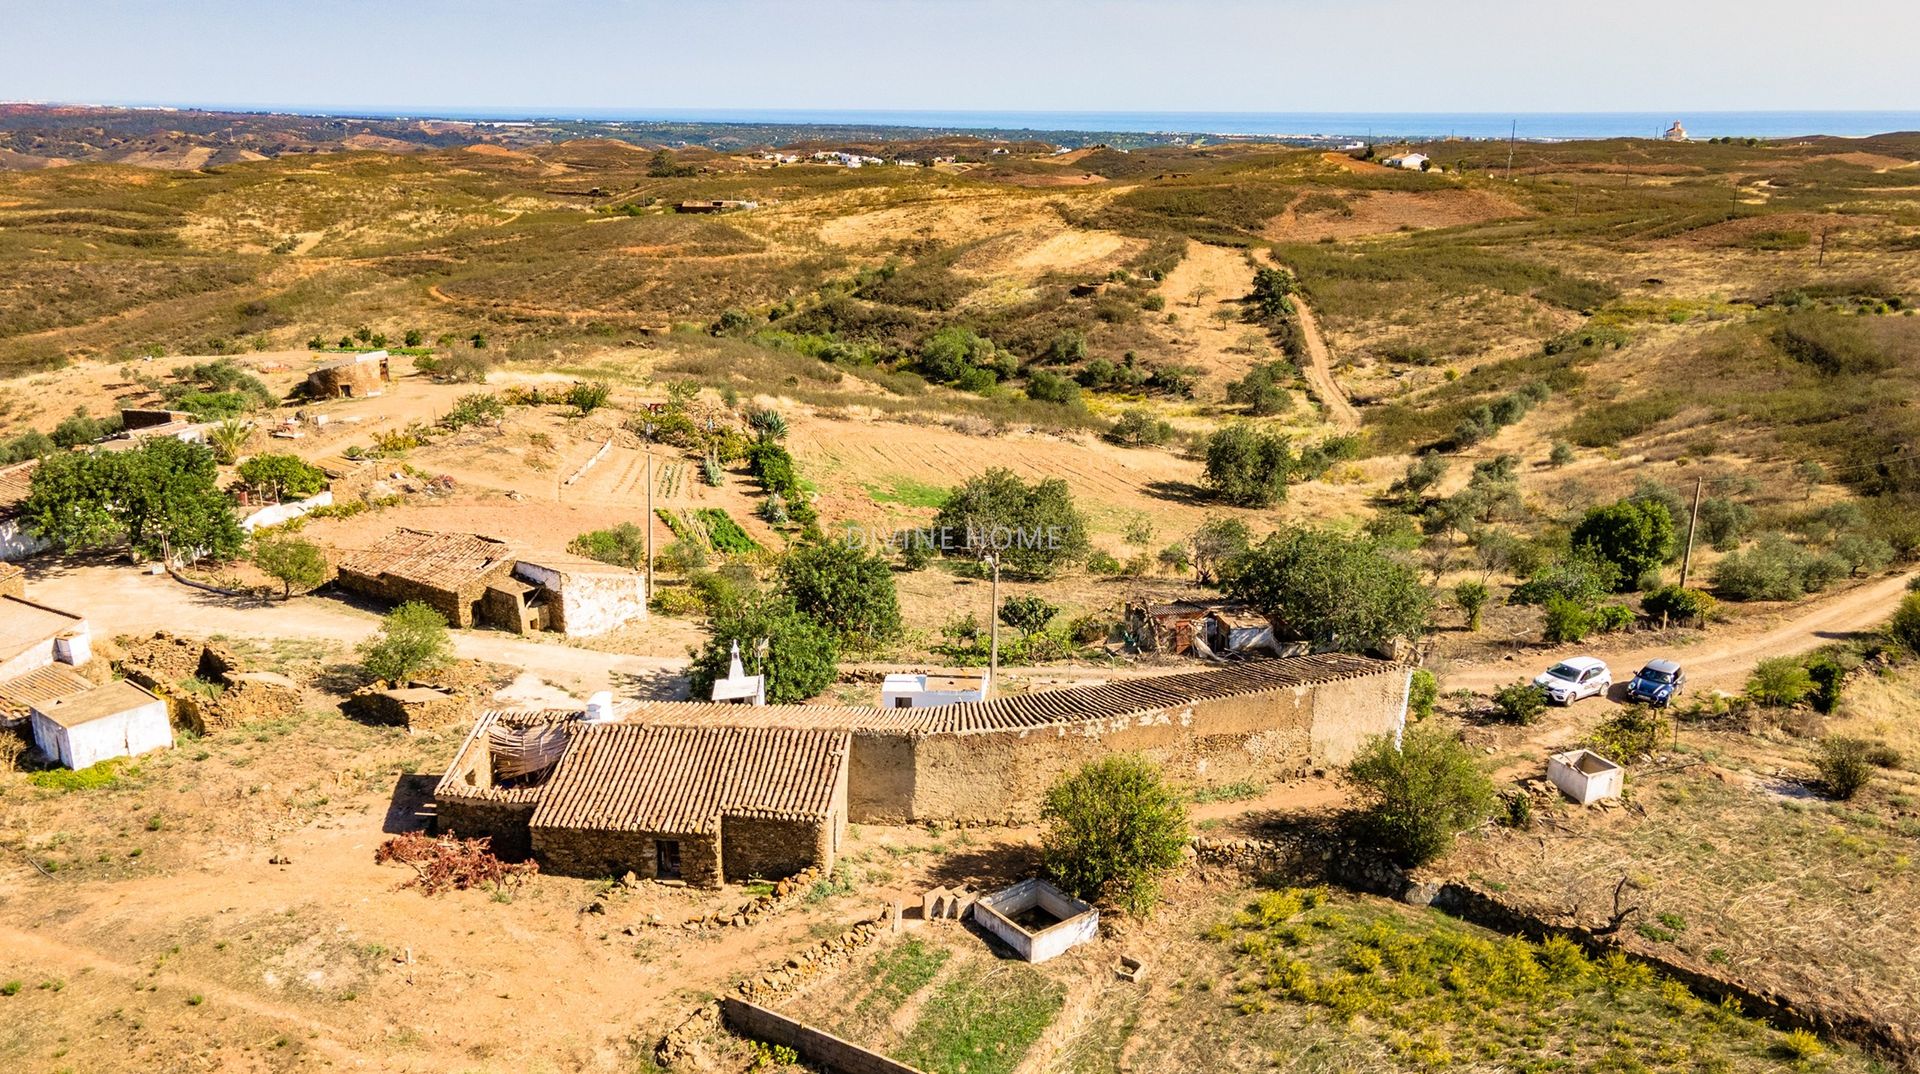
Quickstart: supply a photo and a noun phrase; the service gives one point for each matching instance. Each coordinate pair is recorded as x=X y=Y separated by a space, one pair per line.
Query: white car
x=1575 y=678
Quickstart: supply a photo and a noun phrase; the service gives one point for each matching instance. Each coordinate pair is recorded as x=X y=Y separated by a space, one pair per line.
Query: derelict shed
x=359 y=376
x=115 y=720
x=703 y=804
x=449 y=572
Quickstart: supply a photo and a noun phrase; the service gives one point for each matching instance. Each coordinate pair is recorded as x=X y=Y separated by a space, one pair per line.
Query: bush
x=1470 y=597
x=587 y=398
x=1845 y=765
x=1679 y=605
x=475 y=408
x=413 y=638
x=1423 y=690
x=1521 y=703
x=1247 y=466
x=1635 y=731
x=1414 y=798
x=1035 y=528
x=624 y=545
x=1904 y=627
x=843 y=586
x=1610 y=618
x=1263 y=391
x=1567 y=621
x=1114 y=828
x=1029 y=614
x=1774 y=568
x=1781 y=681
x=1052 y=388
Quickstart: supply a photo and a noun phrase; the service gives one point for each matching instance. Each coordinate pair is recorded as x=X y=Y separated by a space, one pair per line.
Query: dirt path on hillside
x=119 y=600
x=1319 y=370
x=1725 y=656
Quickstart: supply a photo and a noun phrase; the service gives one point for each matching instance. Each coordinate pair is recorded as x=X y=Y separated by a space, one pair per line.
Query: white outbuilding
x=907 y=691
x=1585 y=776
x=116 y=720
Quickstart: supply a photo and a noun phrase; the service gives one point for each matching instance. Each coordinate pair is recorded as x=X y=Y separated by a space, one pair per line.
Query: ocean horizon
x=1366 y=125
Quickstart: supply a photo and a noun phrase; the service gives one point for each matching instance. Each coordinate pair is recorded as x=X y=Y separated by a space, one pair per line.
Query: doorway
x=666 y=859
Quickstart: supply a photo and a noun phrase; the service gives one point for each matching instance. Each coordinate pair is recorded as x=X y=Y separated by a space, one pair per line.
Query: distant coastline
x=1375 y=126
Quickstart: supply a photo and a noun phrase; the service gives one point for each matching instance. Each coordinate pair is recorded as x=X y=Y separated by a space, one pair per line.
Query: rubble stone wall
x=587 y=852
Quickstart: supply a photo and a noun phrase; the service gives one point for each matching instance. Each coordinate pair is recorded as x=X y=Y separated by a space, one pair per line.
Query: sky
x=1007 y=55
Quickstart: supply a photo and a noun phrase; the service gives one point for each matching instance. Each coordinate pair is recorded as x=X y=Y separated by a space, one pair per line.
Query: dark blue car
x=1657 y=683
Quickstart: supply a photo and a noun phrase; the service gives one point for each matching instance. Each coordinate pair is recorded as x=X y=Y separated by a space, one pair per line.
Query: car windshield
x=1564 y=671
x=1656 y=675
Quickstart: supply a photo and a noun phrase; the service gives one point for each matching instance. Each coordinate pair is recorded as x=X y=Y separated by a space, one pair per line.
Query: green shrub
x=802 y=654
x=1520 y=703
x=1774 y=568
x=1780 y=681
x=1423 y=690
x=1679 y=605
x=1248 y=466
x=413 y=638
x=1028 y=614
x=1635 y=731
x=1140 y=428
x=1114 y=828
x=843 y=586
x=1609 y=618
x=624 y=545
x=1567 y=621
x=1414 y=797
x=1845 y=764
x=283 y=476
x=1470 y=597
x=1904 y=627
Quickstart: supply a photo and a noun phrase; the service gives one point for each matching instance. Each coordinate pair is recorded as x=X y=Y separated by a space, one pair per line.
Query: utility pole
x=1512 y=135
x=993 y=624
x=1822 y=263
x=649 y=527
x=1693 y=523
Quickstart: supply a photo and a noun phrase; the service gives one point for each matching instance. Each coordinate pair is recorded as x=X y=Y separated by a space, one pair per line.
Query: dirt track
x=1319 y=371
x=1722 y=659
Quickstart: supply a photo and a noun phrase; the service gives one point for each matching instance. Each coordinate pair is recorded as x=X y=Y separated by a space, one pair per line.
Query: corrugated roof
x=15 y=483
x=423 y=557
x=36 y=687
x=1025 y=712
x=682 y=780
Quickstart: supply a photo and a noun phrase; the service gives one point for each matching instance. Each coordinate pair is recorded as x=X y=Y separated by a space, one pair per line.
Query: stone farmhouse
x=470 y=579
x=649 y=775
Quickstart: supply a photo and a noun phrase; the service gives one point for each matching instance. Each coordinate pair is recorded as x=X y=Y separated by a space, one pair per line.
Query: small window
x=903 y=702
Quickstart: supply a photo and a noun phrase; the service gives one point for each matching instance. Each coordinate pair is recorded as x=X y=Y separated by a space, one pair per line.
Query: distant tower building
x=1676 y=133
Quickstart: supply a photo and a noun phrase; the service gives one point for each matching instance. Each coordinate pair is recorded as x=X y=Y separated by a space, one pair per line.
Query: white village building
x=116 y=720
x=740 y=688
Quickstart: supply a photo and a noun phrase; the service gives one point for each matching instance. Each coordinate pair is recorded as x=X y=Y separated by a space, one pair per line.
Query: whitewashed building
x=740 y=688
x=585 y=597
x=116 y=720
x=907 y=691
x=1412 y=162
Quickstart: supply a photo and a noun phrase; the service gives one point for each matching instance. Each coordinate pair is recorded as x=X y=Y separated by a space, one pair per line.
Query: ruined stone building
x=988 y=761
x=357 y=376
x=470 y=579
x=448 y=572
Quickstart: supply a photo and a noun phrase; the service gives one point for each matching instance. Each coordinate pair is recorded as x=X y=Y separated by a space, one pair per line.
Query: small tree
x=292 y=561
x=1561 y=454
x=844 y=587
x=1029 y=614
x=1635 y=535
x=1846 y=765
x=1336 y=591
x=1247 y=466
x=1414 y=798
x=1216 y=543
x=802 y=653
x=1521 y=703
x=1035 y=529
x=413 y=638
x=1471 y=598
x=1113 y=830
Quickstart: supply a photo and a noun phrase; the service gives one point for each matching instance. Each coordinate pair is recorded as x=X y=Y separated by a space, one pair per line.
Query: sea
x=1367 y=125
x=1372 y=126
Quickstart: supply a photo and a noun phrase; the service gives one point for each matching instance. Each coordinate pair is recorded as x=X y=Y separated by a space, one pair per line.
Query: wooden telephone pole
x=993 y=625
x=1693 y=523
x=649 y=527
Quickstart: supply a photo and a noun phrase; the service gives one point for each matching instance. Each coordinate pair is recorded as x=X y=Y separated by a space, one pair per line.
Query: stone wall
x=503 y=608
x=769 y=848
x=457 y=606
x=162 y=661
x=817 y=1047
x=589 y=852
x=502 y=822
x=414 y=707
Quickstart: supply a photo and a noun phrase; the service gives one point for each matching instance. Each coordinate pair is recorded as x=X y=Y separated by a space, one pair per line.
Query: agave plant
x=769 y=424
x=228 y=438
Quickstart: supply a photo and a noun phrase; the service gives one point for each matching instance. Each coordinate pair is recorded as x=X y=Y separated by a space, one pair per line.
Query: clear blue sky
x=1103 y=55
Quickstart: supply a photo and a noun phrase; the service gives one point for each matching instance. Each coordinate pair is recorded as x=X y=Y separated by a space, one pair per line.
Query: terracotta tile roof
x=45 y=684
x=15 y=483
x=682 y=780
x=435 y=560
x=1026 y=712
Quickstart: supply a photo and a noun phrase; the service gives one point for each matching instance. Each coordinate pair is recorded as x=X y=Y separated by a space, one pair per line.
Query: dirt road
x=1722 y=659
x=119 y=600
x=1319 y=370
